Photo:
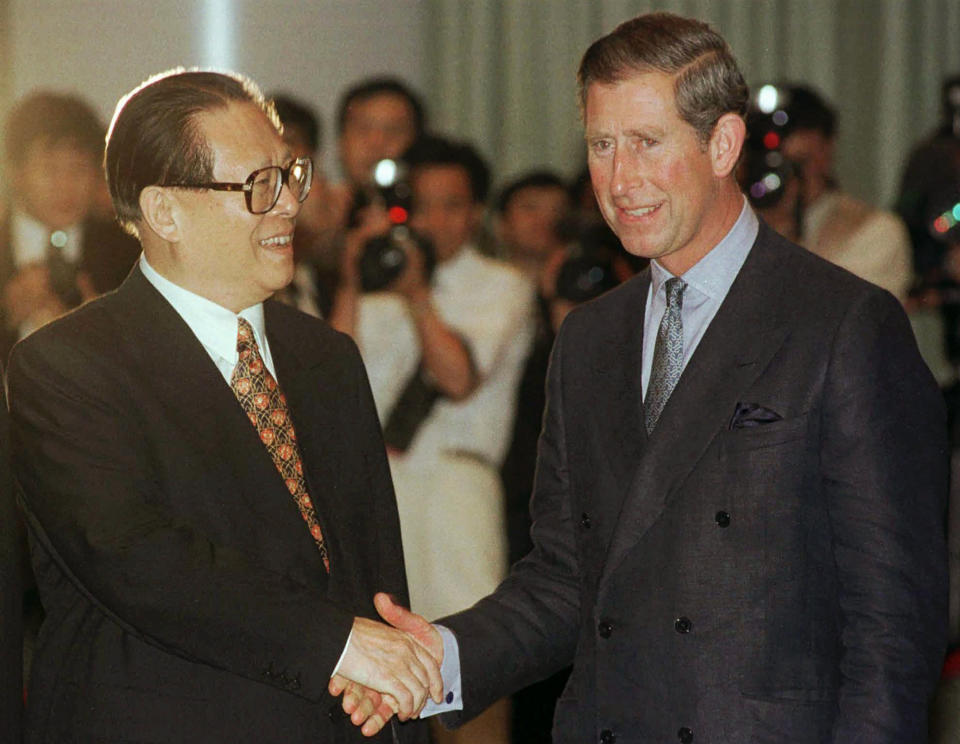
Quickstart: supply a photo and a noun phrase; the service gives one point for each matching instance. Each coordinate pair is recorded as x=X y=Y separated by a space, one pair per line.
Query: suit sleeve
x=528 y=628
x=94 y=504
x=884 y=464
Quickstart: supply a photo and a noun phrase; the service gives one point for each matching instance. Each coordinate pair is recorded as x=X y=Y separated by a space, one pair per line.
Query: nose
x=626 y=173
x=287 y=204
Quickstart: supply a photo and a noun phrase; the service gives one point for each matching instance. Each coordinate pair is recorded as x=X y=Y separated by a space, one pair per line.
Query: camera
x=765 y=173
x=62 y=273
x=588 y=272
x=384 y=257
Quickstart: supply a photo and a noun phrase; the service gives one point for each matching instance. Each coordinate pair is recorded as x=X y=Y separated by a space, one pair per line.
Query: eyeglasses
x=262 y=187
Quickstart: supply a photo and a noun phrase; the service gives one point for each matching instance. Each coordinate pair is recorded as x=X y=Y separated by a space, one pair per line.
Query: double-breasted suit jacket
x=185 y=598
x=769 y=564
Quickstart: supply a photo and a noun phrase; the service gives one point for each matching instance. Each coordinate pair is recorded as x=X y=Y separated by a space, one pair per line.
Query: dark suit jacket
x=784 y=582
x=11 y=593
x=185 y=597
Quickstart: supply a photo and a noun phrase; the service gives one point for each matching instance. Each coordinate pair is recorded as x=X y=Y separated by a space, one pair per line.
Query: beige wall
x=312 y=48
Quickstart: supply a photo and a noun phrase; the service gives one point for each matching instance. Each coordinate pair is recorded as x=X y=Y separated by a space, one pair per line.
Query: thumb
x=409 y=622
x=397 y=615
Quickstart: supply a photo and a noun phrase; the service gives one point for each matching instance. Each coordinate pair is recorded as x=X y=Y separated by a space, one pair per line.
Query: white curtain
x=501 y=73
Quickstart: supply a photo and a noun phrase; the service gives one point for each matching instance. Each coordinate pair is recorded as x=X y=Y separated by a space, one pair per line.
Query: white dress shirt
x=214 y=326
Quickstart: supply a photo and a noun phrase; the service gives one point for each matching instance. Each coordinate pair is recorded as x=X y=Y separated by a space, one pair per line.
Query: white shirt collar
x=214 y=325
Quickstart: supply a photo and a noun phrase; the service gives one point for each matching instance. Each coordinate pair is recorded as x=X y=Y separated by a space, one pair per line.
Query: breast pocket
x=766 y=435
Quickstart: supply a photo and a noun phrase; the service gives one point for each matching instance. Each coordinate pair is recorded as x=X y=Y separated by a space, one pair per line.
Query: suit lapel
x=322 y=397
x=742 y=338
x=178 y=370
x=618 y=389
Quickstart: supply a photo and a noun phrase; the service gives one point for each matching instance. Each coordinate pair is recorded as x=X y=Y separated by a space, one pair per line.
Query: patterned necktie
x=667 y=355
x=266 y=407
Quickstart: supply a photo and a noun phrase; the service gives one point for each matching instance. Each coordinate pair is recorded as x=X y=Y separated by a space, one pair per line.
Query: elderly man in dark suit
x=738 y=512
x=207 y=494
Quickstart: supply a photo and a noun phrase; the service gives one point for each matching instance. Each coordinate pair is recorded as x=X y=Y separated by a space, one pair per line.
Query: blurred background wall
x=500 y=72
x=312 y=48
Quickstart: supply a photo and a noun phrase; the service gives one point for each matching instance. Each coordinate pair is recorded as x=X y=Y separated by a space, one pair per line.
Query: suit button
x=585 y=521
x=607 y=737
x=683 y=625
x=685 y=735
x=723 y=519
x=605 y=629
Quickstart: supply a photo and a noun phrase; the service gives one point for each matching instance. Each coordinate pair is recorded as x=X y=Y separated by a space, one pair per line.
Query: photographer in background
x=444 y=352
x=54 y=252
x=931 y=176
x=788 y=174
x=377 y=118
x=869 y=242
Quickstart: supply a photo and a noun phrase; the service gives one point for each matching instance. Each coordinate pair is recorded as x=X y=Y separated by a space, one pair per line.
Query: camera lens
x=382 y=261
x=384 y=257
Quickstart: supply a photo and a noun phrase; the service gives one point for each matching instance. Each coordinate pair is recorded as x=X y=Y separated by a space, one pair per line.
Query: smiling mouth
x=641 y=211
x=278 y=241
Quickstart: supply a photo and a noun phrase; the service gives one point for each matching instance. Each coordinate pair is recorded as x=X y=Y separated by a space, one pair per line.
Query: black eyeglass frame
x=247 y=186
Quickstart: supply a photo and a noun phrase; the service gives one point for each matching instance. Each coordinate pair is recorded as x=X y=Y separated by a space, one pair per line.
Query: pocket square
x=752 y=414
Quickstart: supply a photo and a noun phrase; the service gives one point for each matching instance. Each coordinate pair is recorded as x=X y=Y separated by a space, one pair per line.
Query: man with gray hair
x=738 y=508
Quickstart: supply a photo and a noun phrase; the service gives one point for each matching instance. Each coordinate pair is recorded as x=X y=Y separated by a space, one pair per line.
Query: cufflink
x=449 y=697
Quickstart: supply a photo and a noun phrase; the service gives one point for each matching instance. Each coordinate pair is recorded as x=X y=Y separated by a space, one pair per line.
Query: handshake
x=389 y=670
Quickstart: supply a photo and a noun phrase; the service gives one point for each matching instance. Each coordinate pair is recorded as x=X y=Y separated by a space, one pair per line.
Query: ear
x=161 y=212
x=725 y=144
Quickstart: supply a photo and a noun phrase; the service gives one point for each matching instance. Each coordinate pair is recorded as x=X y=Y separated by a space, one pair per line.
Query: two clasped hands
x=389 y=670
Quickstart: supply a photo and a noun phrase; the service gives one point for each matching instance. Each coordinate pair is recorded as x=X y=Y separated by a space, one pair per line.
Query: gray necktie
x=667 y=355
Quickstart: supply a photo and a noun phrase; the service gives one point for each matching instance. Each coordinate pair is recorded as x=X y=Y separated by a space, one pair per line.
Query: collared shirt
x=708 y=282
x=214 y=326
x=32 y=239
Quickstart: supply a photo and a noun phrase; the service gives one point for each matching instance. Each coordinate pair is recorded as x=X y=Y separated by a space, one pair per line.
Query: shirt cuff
x=450 y=672
x=343 y=653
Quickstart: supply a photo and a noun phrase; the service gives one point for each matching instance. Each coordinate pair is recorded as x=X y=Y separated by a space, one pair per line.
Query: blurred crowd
x=453 y=282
